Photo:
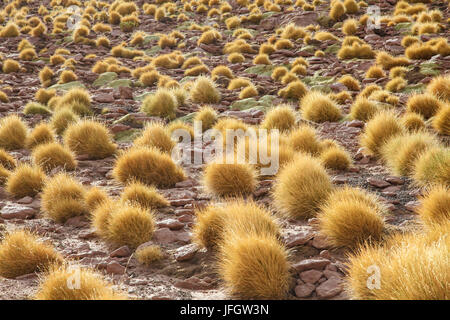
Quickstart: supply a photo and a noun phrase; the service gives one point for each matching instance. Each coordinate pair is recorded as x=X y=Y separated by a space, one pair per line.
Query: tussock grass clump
x=204 y=91
x=375 y=72
x=92 y=286
x=440 y=87
x=356 y=50
x=433 y=167
x=207 y=116
x=223 y=71
x=78 y=100
x=248 y=92
x=423 y=104
x=254 y=267
x=238 y=83
x=149 y=254
x=10 y=65
x=62 y=118
x=4 y=175
x=4 y=97
x=35 y=108
x=41 y=133
x=301 y=187
x=229 y=179
x=412 y=266
x=25 y=180
x=147 y=197
x=88 y=137
x=441 y=121
x=67 y=76
x=387 y=61
x=294 y=90
x=53 y=155
x=7 y=160
x=304 y=139
x=350 y=27
x=11 y=30
x=155 y=135
x=396 y=84
x=413 y=121
x=281 y=117
x=350 y=82
x=336 y=158
x=21 y=253
x=238 y=216
x=101 y=215
x=337 y=10
x=352 y=217
x=63 y=198
x=43 y=95
x=363 y=109
x=235 y=57
x=383 y=126
x=94 y=197
x=435 y=206
x=13 y=133
x=130 y=226
x=149 y=166
x=318 y=107
x=28 y=54
x=401 y=151
x=162 y=103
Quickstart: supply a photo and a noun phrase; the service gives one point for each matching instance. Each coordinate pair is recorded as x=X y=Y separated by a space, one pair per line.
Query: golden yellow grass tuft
x=42 y=133
x=78 y=100
x=375 y=72
x=53 y=155
x=162 y=103
x=441 y=121
x=351 y=217
x=363 y=109
x=149 y=166
x=207 y=116
x=94 y=197
x=336 y=158
x=440 y=87
x=229 y=179
x=13 y=132
x=155 y=135
x=413 y=121
x=387 y=61
x=305 y=140
x=383 y=126
x=67 y=76
x=337 y=10
x=401 y=151
x=294 y=90
x=435 y=206
x=204 y=91
x=281 y=117
x=10 y=65
x=63 y=197
x=318 y=107
x=91 y=138
x=22 y=253
x=424 y=104
x=130 y=226
x=43 y=95
x=433 y=167
x=92 y=286
x=7 y=160
x=254 y=267
x=148 y=254
x=147 y=197
x=62 y=118
x=238 y=216
x=412 y=266
x=301 y=187
x=25 y=180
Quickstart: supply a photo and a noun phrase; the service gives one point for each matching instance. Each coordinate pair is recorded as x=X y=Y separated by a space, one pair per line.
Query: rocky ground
x=188 y=272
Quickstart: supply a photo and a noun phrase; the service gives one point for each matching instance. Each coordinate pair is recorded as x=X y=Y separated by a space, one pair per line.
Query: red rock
x=25 y=200
x=87 y=234
x=16 y=211
x=395 y=180
x=299 y=238
x=330 y=288
x=308 y=264
x=412 y=205
x=186 y=252
x=183 y=236
x=340 y=180
x=123 y=251
x=392 y=189
x=304 y=290
x=329 y=274
x=103 y=98
x=320 y=242
x=325 y=254
x=378 y=183
x=115 y=268
x=126 y=93
x=186 y=218
x=311 y=276
x=164 y=235
x=180 y=202
x=77 y=222
x=118 y=127
x=193 y=283
x=172 y=224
